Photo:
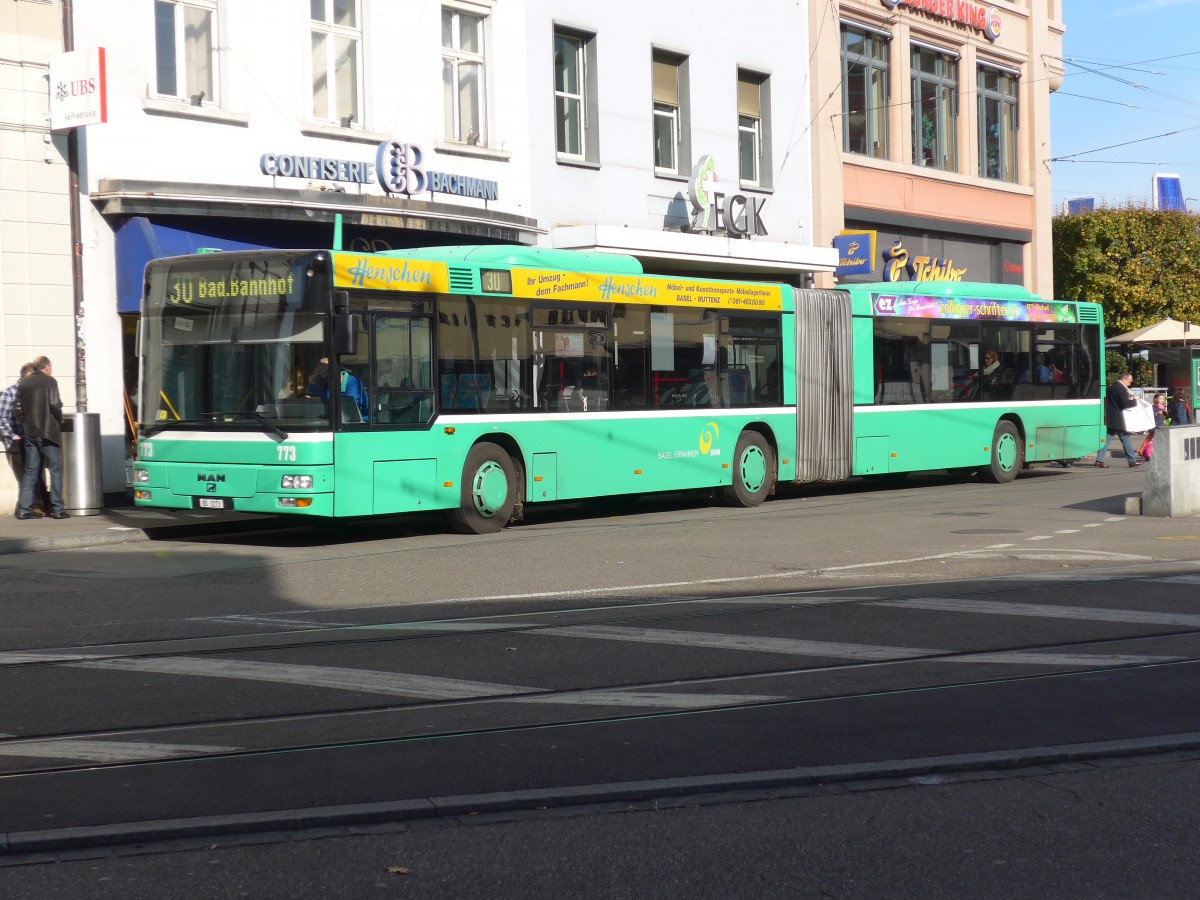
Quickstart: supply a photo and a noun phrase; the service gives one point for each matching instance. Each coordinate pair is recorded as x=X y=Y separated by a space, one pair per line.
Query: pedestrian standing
x=40 y=415
x=14 y=446
x=1117 y=399
x=1178 y=410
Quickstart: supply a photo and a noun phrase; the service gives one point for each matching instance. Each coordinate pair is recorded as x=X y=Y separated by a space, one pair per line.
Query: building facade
x=931 y=135
x=37 y=307
x=291 y=123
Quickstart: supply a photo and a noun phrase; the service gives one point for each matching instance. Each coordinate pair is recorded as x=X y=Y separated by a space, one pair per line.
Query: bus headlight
x=296 y=482
x=141 y=476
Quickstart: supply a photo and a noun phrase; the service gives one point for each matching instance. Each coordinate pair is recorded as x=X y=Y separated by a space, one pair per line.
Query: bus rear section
x=905 y=377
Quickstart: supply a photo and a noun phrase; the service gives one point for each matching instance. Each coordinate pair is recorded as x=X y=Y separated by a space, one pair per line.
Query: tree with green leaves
x=1142 y=264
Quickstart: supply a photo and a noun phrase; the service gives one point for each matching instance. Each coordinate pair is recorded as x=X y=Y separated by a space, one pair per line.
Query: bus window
x=630 y=356
x=683 y=357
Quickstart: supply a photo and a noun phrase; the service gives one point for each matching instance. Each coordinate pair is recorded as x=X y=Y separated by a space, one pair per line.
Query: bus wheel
x=489 y=491
x=1008 y=455
x=753 y=471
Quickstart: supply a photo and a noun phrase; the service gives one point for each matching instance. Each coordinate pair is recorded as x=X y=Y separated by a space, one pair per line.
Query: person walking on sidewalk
x=1117 y=399
x=40 y=416
x=11 y=435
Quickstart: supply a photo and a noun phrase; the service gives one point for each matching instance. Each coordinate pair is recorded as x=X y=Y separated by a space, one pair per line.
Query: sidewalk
x=119 y=525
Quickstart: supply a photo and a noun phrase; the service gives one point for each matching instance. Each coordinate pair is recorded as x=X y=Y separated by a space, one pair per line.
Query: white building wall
x=717 y=39
x=36 y=301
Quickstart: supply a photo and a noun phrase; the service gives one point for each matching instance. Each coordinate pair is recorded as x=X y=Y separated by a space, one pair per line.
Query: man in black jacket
x=41 y=420
x=1117 y=399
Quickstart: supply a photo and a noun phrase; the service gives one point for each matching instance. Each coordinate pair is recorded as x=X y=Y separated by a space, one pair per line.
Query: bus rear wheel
x=489 y=491
x=1008 y=455
x=753 y=471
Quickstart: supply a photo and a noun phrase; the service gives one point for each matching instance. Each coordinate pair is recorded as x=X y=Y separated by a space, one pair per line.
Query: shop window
x=998 y=124
x=464 y=76
x=185 y=44
x=336 y=31
x=934 y=108
x=865 y=90
x=671 y=115
x=576 y=136
x=754 y=131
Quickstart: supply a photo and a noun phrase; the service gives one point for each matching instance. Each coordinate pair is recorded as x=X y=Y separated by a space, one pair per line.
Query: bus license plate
x=213 y=503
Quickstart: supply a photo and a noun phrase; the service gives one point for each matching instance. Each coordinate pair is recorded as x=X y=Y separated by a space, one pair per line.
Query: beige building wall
x=36 y=300
x=960 y=201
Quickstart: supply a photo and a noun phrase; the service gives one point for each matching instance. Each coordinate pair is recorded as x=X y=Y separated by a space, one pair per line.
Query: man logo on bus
x=708 y=434
x=399 y=170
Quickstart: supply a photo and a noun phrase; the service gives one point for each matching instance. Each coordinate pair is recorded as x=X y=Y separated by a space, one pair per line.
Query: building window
x=934 y=109
x=463 y=76
x=185 y=50
x=754 y=121
x=864 y=92
x=998 y=124
x=575 y=133
x=670 y=92
x=336 y=61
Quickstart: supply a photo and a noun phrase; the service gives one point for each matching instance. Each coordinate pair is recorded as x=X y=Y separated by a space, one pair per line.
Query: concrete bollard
x=1173 y=476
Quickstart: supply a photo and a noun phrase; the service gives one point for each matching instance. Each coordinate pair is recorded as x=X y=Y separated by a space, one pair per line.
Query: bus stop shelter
x=1172 y=345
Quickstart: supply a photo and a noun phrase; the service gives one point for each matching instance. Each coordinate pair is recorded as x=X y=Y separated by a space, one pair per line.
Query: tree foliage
x=1142 y=264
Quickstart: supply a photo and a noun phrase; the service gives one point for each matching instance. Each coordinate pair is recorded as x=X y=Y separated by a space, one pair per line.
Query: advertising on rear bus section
x=967 y=308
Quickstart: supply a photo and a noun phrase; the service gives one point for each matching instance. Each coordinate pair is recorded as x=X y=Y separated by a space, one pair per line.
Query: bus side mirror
x=345 y=334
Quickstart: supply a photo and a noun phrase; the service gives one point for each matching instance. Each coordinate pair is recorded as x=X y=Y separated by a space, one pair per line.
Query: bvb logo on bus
x=708 y=434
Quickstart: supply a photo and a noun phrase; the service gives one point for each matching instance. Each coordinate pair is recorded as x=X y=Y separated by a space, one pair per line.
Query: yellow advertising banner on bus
x=380 y=273
x=545 y=284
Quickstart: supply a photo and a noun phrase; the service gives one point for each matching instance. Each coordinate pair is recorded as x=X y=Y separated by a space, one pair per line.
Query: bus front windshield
x=234 y=344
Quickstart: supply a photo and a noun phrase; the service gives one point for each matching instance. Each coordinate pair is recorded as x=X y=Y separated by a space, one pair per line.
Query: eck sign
x=716 y=209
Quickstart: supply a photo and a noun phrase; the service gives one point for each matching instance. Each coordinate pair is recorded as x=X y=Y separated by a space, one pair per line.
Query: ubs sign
x=715 y=209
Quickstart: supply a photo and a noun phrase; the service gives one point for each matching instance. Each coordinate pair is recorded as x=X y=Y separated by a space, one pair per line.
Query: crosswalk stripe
x=1042 y=611
x=426 y=687
x=106 y=751
x=739 y=642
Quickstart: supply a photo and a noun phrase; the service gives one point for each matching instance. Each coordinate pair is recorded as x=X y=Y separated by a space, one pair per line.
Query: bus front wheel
x=488 y=491
x=753 y=471
x=1008 y=455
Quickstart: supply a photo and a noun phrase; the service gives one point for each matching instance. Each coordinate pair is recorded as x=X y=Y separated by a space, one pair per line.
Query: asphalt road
x=607 y=653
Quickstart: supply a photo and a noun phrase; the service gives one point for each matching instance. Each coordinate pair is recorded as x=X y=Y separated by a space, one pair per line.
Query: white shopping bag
x=1140 y=418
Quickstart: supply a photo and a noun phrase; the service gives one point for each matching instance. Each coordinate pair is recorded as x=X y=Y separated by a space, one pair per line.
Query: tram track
x=498 y=709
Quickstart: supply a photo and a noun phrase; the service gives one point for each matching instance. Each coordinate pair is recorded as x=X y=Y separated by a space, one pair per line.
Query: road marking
x=1041 y=537
x=1068 y=531
x=365 y=681
x=15 y=657
x=710 y=641
x=107 y=751
x=754 y=644
x=1033 y=657
x=647 y=698
x=274 y=622
x=1043 y=611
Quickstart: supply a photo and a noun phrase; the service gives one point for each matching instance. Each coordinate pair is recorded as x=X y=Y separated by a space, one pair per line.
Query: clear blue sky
x=1131 y=94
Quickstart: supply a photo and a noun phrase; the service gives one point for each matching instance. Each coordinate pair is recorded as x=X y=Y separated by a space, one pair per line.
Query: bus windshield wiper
x=155 y=427
x=268 y=426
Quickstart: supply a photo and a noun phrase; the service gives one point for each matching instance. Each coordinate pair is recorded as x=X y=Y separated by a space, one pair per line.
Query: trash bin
x=82 y=494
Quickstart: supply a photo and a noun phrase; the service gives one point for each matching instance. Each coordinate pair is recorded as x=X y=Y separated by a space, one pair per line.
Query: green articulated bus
x=477 y=380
